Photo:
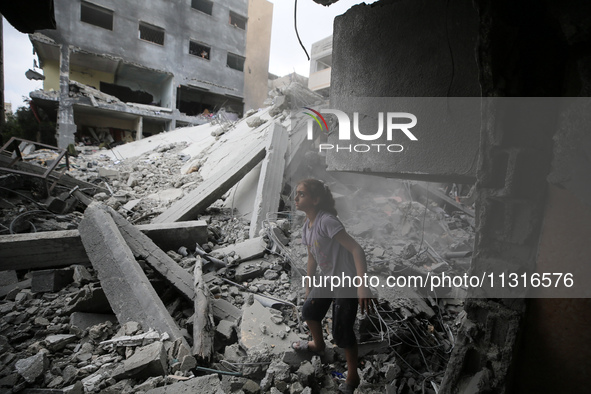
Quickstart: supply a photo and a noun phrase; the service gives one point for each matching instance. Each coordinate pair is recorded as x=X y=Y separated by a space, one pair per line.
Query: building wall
x=89 y=77
x=181 y=23
x=258 y=50
x=407 y=49
x=51 y=71
x=319 y=75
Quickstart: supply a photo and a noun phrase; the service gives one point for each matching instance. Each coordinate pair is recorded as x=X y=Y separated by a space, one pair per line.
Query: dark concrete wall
x=409 y=49
x=406 y=49
x=523 y=48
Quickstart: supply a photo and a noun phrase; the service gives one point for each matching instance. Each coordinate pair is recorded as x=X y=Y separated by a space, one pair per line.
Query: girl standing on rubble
x=337 y=254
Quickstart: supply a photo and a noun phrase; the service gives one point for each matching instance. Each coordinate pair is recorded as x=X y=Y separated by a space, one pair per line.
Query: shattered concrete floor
x=58 y=331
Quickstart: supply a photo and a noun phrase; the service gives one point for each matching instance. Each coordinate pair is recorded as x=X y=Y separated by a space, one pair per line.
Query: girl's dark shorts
x=344 y=312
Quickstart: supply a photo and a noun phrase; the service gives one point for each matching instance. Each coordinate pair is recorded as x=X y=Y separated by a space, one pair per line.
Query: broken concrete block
x=188 y=363
x=223 y=310
x=84 y=320
x=279 y=370
x=81 y=275
x=252 y=338
x=108 y=173
x=251 y=387
x=147 y=361
x=246 y=250
x=270 y=179
x=23 y=295
x=51 y=280
x=255 y=122
x=225 y=329
x=129 y=291
x=8 y=278
x=296 y=388
x=9 y=381
x=271 y=274
x=5 y=290
x=59 y=341
x=32 y=367
x=131 y=328
x=249 y=270
x=142 y=245
x=209 y=384
x=306 y=373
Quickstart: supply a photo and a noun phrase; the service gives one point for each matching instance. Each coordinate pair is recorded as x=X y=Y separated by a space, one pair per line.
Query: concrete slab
x=129 y=291
x=51 y=280
x=143 y=246
x=271 y=178
x=223 y=310
x=8 y=278
x=85 y=320
x=214 y=186
x=63 y=248
x=209 y=384
x=246 y=250
x=258 y=333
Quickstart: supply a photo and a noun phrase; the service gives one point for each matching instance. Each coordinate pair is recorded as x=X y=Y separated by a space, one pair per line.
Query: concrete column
x=139 y=128
x=66 y=128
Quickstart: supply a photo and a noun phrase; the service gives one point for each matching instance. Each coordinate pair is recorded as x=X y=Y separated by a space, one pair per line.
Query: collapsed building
x=182 y=268
x=119 y=69
x=531 y=215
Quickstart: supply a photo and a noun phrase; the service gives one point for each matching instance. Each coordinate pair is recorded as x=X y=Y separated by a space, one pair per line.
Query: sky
x=314 y=23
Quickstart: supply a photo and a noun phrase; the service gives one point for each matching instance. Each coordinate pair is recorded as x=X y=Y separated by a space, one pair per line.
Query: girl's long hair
x=321 y=190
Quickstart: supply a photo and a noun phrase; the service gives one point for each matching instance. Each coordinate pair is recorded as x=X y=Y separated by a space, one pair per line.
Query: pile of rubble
x=212 y=305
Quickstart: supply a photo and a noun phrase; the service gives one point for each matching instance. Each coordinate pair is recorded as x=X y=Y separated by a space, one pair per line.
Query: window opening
x=151 y=33
x=203 y=6
x=95 y=15
x=201 y=50
x=237 y=21
x=236 y=62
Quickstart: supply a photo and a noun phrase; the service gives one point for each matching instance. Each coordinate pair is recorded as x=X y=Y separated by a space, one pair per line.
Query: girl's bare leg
x=352 y=374
x=317 y=344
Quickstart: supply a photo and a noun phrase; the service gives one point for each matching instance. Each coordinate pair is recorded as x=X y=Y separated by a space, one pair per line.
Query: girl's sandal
x=346 y=388
x=303 y=346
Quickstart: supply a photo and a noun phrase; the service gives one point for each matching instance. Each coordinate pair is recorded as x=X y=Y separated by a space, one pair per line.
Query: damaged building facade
x=136 y=68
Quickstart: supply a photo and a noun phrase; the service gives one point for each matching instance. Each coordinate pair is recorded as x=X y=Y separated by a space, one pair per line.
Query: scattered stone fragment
x=32 y=367
x=81 y=275
x=306 y=373
x=59 y=341
x=226 y=329
x=189 y=362
x=84 y=320
x=147 y=361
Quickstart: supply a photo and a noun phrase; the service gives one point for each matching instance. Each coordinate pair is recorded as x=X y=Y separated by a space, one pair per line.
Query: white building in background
x=320 y=66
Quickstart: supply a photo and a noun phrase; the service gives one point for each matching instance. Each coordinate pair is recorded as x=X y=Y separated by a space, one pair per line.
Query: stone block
x=81 y=274
x=225 y=329
x=51 y=280
x=147 y=361
x=246 y=250
x=59 y=341
x=8 y=278
x=305 y=373
x=224 y=310
x=32 y=367
x=250 y=270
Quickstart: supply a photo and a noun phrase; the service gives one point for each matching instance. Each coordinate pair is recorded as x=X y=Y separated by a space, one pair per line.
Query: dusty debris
x=248 y=277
